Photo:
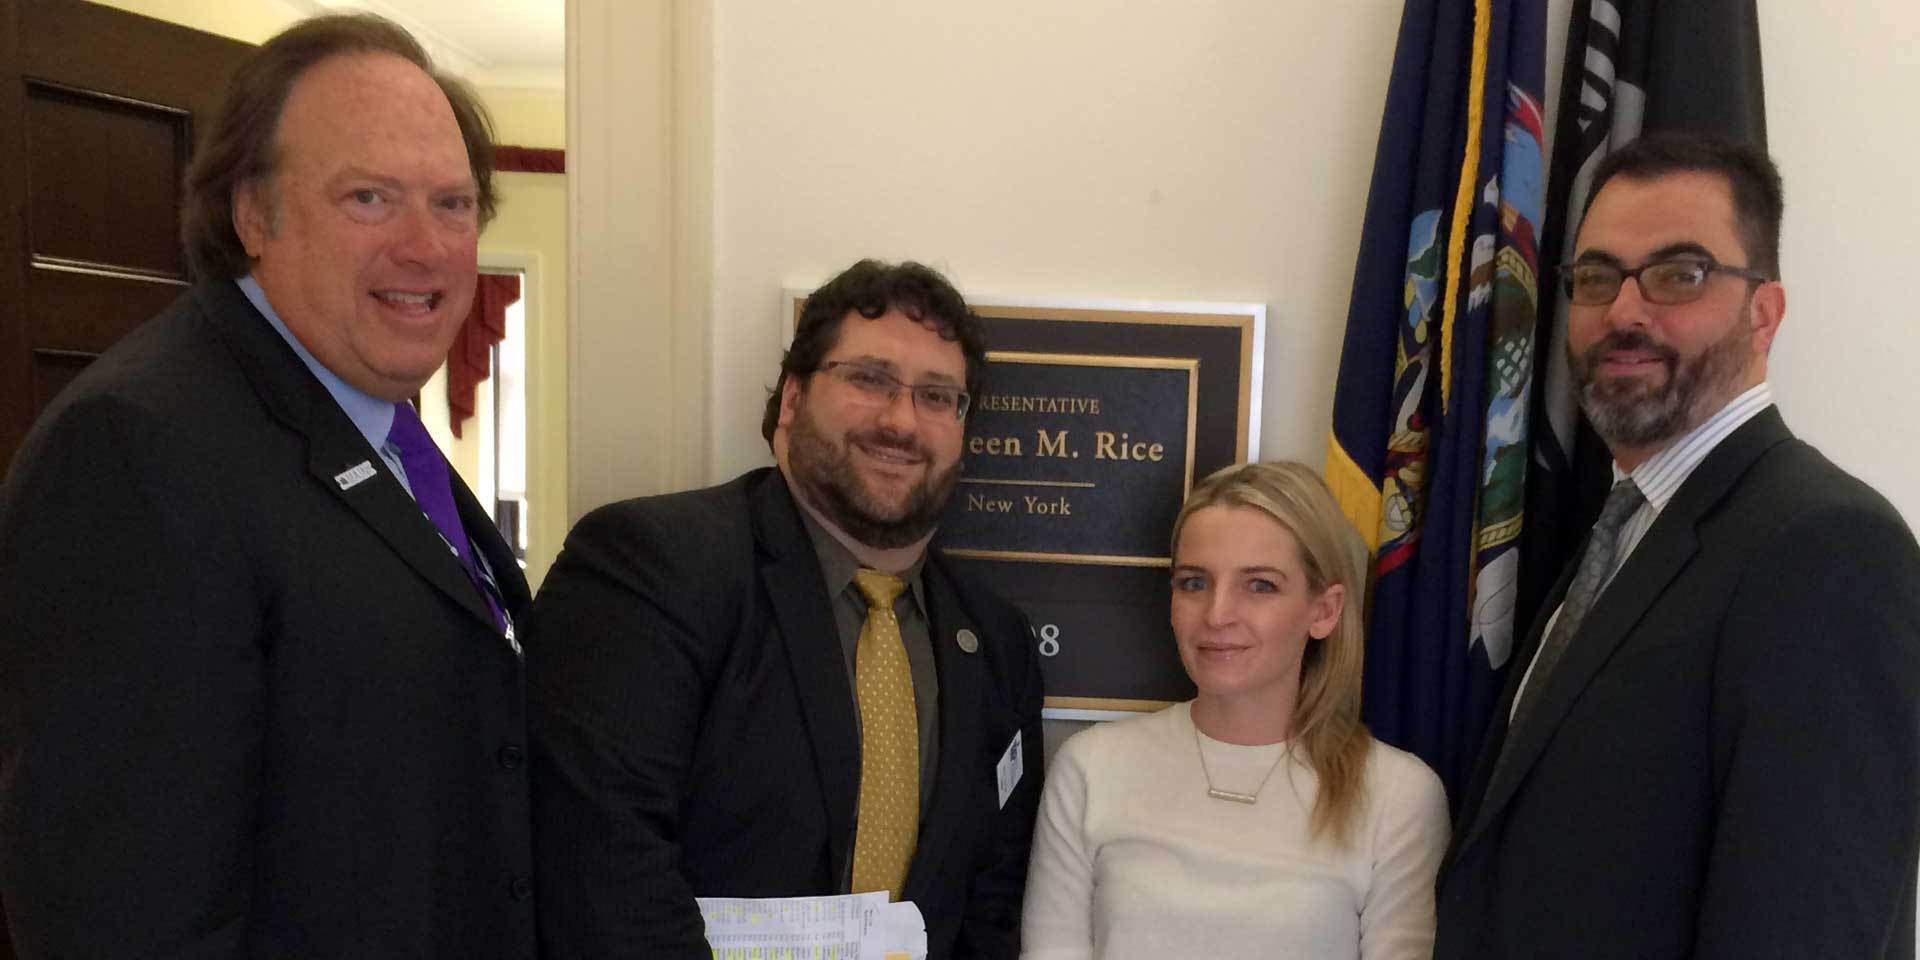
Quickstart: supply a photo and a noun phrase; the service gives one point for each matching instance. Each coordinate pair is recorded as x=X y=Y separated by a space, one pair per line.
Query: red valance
x=512 y=159
x=471 y=357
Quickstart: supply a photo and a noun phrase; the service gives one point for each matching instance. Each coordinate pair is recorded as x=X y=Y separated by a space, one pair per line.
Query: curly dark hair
x=1758 y=197
x=245 y=145
x=870 y=288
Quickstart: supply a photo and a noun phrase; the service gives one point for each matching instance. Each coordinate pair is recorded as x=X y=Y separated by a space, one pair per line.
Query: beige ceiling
x=504 y=43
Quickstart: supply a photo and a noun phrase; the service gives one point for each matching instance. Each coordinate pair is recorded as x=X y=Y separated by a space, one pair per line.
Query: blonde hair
x=1326 y=715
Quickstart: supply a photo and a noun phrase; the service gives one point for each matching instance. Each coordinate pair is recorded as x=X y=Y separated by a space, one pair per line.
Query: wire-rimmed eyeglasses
x=880 y=387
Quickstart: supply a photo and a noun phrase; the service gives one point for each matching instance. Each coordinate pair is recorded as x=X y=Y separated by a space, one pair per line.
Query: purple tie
x=433 y=490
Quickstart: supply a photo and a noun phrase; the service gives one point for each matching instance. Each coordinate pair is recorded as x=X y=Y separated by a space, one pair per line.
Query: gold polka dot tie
x=889 y=823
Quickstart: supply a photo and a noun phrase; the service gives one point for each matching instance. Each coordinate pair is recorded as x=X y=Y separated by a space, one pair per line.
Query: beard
x=1628 y=412
x=825 y=472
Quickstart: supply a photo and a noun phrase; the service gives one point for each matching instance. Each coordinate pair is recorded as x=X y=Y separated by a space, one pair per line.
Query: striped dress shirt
x=1660 y=477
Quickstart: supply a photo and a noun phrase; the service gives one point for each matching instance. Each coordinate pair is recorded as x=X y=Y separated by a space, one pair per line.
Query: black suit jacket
x=244 y=711
x=694 y=732
x=1726 y=761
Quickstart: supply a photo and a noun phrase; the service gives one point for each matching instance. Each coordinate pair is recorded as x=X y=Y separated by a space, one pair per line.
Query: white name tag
x=354 y=476
x=1012 y=764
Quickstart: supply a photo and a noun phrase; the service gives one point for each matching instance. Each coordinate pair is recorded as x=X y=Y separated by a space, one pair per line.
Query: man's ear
x=1768 y=309
x=252 y=217
x=790 y=390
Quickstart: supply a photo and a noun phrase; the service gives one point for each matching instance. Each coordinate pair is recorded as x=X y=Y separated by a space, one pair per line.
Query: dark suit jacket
x=1726 y=763
x=245 y=712
x=694 y=732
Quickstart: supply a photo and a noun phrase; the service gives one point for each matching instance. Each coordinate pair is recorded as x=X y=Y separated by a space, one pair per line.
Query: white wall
x=1843 y=124
x=1221 y=150
x=639 y=128
x=1170 y=151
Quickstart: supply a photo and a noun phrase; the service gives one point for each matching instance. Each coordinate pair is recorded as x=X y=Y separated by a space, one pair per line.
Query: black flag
x=1633 y=67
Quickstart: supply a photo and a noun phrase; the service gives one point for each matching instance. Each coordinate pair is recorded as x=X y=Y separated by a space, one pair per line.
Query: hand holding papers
x=860 y=926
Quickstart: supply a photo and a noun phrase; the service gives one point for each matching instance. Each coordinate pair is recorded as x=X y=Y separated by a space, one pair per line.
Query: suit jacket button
x=512 y=757
x=521 y=888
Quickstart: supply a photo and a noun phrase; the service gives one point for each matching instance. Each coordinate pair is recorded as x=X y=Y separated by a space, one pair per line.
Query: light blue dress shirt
x=370 y=414
x=373 y=417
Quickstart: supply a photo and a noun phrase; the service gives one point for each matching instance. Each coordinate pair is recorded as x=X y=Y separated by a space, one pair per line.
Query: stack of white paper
x=860 y=926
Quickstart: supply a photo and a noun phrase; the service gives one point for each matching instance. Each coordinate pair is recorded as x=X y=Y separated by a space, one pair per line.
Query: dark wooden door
x=99 y=111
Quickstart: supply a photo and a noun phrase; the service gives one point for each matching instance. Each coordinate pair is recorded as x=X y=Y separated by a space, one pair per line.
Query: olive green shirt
x=837 y=567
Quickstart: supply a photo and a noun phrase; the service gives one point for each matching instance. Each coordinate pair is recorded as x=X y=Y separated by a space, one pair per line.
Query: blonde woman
x=1259 y=819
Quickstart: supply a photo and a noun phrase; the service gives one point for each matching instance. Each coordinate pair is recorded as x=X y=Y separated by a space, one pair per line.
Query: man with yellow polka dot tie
x=773 y=688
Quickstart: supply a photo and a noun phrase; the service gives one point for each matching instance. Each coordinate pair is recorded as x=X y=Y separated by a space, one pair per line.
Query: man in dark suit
x=260 y=694
x=1710 y=747
x=772 y=688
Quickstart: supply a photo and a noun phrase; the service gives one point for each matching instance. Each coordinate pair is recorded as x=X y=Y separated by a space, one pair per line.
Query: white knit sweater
x=1131 y=858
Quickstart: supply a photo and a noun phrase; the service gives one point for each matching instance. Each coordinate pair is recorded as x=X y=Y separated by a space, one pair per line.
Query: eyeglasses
x=878 y=387
x=1669 y=282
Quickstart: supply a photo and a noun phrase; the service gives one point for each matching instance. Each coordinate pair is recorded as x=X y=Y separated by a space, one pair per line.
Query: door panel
x=97 y=162
x=99 y=109
x=71 y=307
x=54 y=369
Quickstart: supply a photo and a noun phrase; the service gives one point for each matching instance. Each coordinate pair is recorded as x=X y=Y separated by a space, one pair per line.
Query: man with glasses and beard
x=1710 y=747
x=771 y=688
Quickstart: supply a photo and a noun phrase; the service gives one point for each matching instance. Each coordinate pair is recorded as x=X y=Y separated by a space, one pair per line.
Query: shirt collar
x=838 y=564
x=372 y=416
x=1659 y=478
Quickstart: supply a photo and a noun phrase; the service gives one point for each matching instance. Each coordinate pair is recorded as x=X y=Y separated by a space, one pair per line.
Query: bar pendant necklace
x=1228 y=795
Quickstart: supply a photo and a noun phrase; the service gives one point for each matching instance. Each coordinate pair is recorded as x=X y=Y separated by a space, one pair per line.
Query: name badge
x=355 y=475
x=1012 y=765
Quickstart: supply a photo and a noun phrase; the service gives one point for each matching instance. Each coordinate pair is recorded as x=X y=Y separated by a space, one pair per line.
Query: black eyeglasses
x=878 y=387
x=1672 y=281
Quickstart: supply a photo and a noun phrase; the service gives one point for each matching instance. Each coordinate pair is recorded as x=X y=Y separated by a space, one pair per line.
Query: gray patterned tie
x=1596 y=565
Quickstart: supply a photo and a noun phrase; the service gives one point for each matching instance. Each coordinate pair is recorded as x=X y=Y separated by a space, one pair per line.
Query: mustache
x=885 y=438
x=1629 y=340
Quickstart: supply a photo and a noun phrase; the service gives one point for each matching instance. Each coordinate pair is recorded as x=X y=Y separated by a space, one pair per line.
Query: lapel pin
x=354 y=476
x=967 y=641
